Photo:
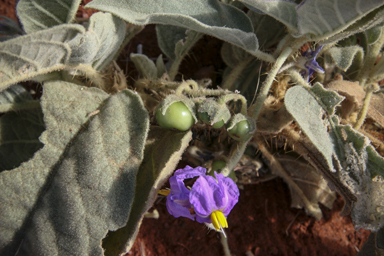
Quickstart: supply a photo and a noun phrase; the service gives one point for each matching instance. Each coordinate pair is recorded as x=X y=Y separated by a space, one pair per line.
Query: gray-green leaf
x=205 y=16
x=343 y=56
x=328 y=17
x=161 y=155
x=362 y=173
x=307 y=112
x=81 y=183
x=281 y=10
x=144 y=65
x=37 y=15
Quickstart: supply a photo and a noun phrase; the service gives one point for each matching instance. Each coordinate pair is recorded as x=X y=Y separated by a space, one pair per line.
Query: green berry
x=240 y=131
x=176 y=116
x=206 y=119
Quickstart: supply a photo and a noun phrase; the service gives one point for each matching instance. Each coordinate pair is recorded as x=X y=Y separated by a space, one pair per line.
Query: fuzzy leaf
x=362 y=173
x=267 y=29
x=110 y=32
x=19 y=131
x=308 y=114
x=372 y=19
x=281 y=10
x=81 y=183
x=144 y=65
x=38 y=53
x=37 y=15
x=45 y=51
x=328 y=17
x=158 y=165
x=205 y=16
x=168 y=37
x=343 y=57
x=309 y=180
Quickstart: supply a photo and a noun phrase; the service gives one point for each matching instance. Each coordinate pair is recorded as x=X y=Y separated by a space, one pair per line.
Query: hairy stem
x=370 y=60
x=256 y=108
x=264 y=56
x=235 y=156
x=24 y=105
x=364 y=110
x=193 y=89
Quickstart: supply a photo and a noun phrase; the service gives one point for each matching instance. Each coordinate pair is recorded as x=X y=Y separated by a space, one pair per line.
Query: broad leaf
x=373 y=34
x=281 y=10
x=343 y=57
x=205 y=16
x=39 y=53
x=362 y=173
x=328 y=17
x=81 y=183
x=19 y=131
x=314 y=186
x=162 y=153
x=267 y=29
x=308 y=113
x=61 y=47
x=37 y=15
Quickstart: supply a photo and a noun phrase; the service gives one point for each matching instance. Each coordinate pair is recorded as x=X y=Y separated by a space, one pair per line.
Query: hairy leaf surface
x=205 y=16
x=281 y=10
x=158 y=165
x=37 y=15
x=328 y=17
x=61 y=47
x=362 y=173
x=344 y=56
x=81 y=183
x=307 y=112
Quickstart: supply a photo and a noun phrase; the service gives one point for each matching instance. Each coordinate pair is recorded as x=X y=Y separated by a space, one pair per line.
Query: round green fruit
x=176 y=116
x=206 y=119
x=240 y=131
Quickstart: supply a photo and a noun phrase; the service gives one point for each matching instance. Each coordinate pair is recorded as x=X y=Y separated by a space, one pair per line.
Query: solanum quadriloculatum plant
x=209 y=200
x=120 y=146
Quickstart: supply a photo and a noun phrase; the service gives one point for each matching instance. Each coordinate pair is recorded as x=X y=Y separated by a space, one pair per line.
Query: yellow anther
x=164 y=192
x=218 y=220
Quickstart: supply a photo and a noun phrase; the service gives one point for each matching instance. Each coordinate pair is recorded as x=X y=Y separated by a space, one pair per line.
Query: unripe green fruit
x=176 y=116
x=205 y=118
x=240 y=131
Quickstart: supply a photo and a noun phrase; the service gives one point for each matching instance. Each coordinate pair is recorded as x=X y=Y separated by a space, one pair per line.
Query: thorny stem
x=282 y=43
x=256 y=108
x=364 y=110
x=235 y=156
x=370 y=60
x=24 y=105
x=226 y=98
x=224 y=242
x=235 y=73
x=279 y=170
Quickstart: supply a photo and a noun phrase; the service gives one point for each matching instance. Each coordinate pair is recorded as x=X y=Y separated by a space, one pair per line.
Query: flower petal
x=231 y=192
x=207 y=196
x=178 y=210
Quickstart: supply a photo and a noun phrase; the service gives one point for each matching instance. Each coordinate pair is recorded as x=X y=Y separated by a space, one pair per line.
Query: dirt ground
x=262 y=222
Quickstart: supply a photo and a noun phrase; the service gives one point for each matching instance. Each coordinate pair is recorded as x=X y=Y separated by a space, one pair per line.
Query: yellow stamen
x=164 y=192
x=218 y=220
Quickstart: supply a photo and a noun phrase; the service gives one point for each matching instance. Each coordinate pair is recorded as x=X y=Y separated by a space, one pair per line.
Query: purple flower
x=209 y=200
x=309 y=64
